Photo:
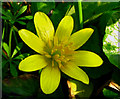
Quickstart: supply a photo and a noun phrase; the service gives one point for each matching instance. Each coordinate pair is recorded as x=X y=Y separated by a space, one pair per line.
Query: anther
x=62 y=51
x=60 y=65
x=49 y=43
x=48 y=56
x=56 y=56
x=52 y=63
x=62 y=57
x=53 y=50
x=55 y=41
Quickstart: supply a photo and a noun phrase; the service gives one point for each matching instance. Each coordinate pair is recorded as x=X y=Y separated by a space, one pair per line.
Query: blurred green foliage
x=97 y=15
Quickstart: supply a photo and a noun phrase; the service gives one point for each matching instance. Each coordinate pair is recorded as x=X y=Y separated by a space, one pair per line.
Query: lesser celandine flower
x=56 y=52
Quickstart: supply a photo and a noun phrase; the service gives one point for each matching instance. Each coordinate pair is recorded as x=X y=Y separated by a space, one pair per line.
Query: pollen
x=60 y=52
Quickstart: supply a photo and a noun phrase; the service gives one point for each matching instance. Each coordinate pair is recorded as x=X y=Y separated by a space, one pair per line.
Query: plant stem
x=79 y=16
x=15 y=28
x=3 y=33
x=10 y=39
x=15 y=37
x=80 y=13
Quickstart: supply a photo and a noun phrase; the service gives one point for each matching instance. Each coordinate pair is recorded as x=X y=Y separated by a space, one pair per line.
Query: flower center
x=59 y=53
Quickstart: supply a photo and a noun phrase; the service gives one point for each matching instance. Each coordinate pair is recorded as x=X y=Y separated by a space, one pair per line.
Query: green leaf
x=45 y=7
x=7 y=13
x=111 y=41
x=13 y=70
x=17 y=49
x=110 y=94
x=95 y=44
x=4 y=55
x=21 y=22
x=59 y=12
x=5 y=18
x=114 y=59
x=21 y=56
x=116 y=76
x=31 y=27
x=29 y=17
x=24 y=85
x=4 y=62
x=6 y=48
x=71 y=11
x=21 y=11
x=92 y=10
x=15 y=6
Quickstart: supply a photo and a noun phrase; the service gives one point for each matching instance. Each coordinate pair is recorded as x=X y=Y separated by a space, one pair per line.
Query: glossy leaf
x=6 y=13
x=4 y=62
x=26 y=18
x=5 y=18
x=45 y=7
x=21 y=11
x=59 y=12
x=6 y=48
x=13 y=70
x=114 y=59
x=21 y=22
x=24 y=85
x=21 y=56
x=17 y=49
x=110 y=94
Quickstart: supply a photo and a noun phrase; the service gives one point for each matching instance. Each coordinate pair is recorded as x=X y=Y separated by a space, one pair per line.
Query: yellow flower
x=56 y=51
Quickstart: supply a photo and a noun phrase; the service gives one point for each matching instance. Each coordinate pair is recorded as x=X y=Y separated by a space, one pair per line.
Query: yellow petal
x=32 y=63
x=32 y=40
x=87 y=59
x=75 y=72
x=65 y=28
x=44 y=26
x=80 y=37
x=50 y=79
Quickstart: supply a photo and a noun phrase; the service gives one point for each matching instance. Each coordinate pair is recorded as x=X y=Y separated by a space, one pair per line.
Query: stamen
x=55 y=41
x=52 y=63
x=62 y=51
x=53 y=50
x=49 y=44
x=60 y=64
x=57 y=60
x=56 y=56
x=69 y=51
x=60 y=46
x=62 y=57
x=48 y=56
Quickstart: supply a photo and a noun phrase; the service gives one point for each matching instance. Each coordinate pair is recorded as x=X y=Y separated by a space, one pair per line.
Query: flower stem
x=3 y=33
x=15 y=37
x=80 y=13
x=10 y=39
x=15 y=29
